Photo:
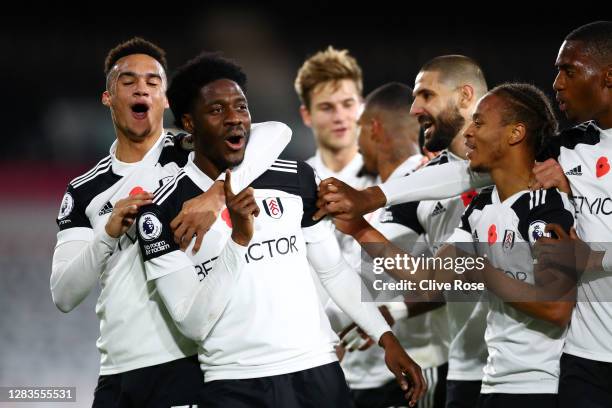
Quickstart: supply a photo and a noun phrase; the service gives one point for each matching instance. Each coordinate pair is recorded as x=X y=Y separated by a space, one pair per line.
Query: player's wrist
x=111 y=232
x=374 y=198
x=387 y=339
x=240 y=239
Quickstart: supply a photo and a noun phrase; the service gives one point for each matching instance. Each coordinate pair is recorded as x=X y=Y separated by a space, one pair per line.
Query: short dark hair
x=528 y=104
x=597 y=38
x=457 y=69
x=392 y=96
x=136 y=45
x=196 y=73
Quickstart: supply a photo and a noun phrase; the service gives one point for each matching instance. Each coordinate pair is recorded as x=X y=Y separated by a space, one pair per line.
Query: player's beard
x=448 y=124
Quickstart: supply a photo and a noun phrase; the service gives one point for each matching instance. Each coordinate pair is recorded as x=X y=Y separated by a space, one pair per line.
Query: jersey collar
x=408 y=166
x=150 y=159
x=196 y=175
x=508 y=201
x=350 y=170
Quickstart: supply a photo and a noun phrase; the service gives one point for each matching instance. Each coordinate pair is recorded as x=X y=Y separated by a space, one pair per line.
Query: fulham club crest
x=273 y=207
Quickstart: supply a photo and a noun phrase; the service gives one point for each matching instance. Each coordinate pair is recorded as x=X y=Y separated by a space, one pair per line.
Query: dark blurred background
x=54 y=126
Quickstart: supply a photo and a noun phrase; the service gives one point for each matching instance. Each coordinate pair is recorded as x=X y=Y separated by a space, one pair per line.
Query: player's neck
x=605 y=120
x=514 y=175
x=385 y=170
x=387 y=165
x=132 y=151
x=336 y=160
x=206 y=165
x=458 y=147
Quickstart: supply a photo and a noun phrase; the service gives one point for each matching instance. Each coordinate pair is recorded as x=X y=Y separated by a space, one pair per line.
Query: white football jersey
x=135 y=330
x=274 y=322
x=523 y=352
x=584 y=152
x=466 y=321
x=367 y=369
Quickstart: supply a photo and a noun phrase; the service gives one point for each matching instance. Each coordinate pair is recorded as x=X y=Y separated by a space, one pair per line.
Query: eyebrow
x=224 y=101
x=422 y=90
x=135 y=75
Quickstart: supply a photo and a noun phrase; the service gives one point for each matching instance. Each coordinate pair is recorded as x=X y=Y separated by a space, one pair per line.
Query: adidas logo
x=108 y=207
x=438 y=209
x=576 y=171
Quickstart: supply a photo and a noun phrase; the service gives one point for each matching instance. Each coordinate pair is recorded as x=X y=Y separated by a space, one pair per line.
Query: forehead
x=430 y=80
x=221 y=89
x=489 y=105
x=573 y=53
x=138 y=63
x=334 y=91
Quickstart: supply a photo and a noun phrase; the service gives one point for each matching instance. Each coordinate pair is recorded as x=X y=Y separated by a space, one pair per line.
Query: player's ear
x=608 y=77
x=518 y=133
x=466 y=96
x=377 y=130
x=106 y=99
x=166 y=103
x=305 y=113
x=187 y=120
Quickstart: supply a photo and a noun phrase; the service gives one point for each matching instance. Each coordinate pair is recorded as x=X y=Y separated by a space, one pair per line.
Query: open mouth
x=139 y=110
x=427 y=125
x=235 y=142
x=470 y=148
x=562 y=104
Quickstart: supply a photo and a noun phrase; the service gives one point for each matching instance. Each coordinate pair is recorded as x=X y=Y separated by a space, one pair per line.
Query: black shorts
x=585 y=383
x=518 y=401
x=462 y=394
x=176 y=382
x=318 y=387
x=391 y=395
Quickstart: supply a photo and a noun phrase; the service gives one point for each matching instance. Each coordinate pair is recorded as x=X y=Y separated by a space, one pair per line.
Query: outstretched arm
x=429 y=183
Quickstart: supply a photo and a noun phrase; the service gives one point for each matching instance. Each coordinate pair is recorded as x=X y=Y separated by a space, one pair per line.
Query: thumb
x=227 y=185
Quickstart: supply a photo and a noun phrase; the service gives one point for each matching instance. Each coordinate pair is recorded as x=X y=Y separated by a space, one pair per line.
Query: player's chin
x=478 y=167
x=139 y=131
x=234 y=158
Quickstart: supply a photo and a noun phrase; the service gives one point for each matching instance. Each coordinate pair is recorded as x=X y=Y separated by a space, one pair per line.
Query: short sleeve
x=308 y=191
x=72 y=211
x=404 y=214
x=546 y=207
x=161 y=255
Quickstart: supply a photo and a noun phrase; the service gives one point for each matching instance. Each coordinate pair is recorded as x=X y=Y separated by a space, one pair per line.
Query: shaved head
x=458 y=70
